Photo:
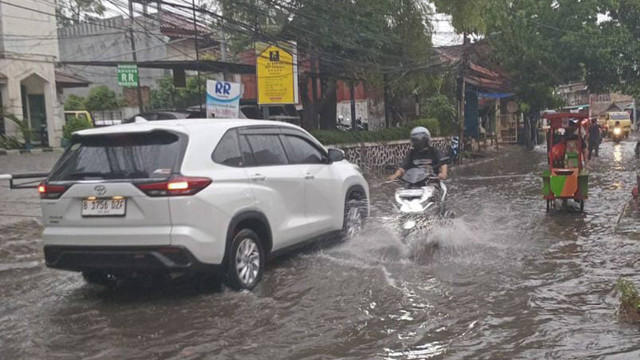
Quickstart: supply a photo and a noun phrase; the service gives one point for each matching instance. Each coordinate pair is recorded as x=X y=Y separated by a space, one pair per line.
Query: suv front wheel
x=355 y=214
x=246 y=261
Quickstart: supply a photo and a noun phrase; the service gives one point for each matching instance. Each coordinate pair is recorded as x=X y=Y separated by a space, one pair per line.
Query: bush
x=22 y=125
x=394 y=134
x=102 y=98
x=10 y=142
x=75 y=102
x=629 y=300
x=74 y=124
x=440 y=107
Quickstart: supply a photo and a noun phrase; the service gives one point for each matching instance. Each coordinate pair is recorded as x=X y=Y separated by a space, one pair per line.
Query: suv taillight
x=47 y=191
x=175 y=186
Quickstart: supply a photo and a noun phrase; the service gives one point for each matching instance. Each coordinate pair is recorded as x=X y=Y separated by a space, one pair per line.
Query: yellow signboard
x=277 y=74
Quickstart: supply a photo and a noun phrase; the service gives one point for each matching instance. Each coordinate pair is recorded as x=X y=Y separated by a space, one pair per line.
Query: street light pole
x=135 y=57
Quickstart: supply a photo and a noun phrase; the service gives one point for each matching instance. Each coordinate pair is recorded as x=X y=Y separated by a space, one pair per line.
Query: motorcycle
x=421 y=202
x=454 y=150
x=617 y=134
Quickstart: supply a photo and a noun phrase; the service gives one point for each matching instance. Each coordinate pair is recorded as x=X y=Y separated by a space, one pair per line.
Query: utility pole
x=223 y=48
x=135 y=56
x=352 y=91
x=195 y=29
x=387 y=101
x=462 y=88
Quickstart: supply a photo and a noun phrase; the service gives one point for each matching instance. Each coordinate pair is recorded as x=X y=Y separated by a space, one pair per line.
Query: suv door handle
x=258 y=177
x=309 y=176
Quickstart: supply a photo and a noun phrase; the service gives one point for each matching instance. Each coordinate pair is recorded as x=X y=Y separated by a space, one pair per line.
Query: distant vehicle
x=212 y=197
x=617 y=134
x=167 y=115
x=620 y=116
x=283 y=113
x=85 y=115
x=80 y=114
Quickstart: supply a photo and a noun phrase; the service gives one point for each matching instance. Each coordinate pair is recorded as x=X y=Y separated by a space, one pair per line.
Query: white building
x=28 y=53
x=159 y=36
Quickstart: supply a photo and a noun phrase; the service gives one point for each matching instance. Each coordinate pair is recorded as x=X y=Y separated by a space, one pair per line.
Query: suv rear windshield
x=120 y=156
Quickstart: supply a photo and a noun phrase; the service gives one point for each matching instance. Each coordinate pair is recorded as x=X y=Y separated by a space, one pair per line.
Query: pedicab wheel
x=581 y=206
x=548 y=206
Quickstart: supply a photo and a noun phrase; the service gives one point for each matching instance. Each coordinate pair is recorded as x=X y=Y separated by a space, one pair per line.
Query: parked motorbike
x=454 y=150
x=421 y=202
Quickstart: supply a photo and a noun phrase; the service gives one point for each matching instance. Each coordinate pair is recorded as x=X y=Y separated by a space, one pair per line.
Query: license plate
x=104 y=207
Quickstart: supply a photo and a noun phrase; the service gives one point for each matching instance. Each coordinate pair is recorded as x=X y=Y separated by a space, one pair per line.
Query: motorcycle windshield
x=416 y=175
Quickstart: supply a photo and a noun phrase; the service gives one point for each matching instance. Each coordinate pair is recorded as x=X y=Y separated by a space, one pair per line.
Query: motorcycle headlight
x=409 y=224
x=617 y=131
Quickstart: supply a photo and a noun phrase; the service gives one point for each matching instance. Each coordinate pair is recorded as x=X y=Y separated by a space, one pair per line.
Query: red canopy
x=561 y=120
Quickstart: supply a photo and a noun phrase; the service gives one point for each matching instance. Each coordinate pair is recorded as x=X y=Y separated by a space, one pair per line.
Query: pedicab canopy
x=562 y=119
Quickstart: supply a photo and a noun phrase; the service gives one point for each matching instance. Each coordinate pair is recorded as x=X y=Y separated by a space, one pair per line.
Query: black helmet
x=420 y=138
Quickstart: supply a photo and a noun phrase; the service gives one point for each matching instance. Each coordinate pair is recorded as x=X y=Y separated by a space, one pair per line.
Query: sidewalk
x=32 y=151
x=19 y=205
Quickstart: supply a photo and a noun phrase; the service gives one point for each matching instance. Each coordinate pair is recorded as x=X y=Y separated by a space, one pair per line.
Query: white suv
x=207 y=196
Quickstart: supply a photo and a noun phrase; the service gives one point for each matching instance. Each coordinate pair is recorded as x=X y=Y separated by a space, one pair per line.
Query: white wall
x=108 y=41
x=29 y=39
x=27 y=31
x=43 y=83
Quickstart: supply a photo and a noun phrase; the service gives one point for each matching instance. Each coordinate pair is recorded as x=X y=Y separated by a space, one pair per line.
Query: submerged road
x=507 y=281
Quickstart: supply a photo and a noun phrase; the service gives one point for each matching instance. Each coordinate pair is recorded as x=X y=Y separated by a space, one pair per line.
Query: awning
x=66 y=80
x=202 y=65
x=494 y=95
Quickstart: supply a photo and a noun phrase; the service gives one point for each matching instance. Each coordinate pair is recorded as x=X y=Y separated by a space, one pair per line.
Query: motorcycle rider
x=422 y=150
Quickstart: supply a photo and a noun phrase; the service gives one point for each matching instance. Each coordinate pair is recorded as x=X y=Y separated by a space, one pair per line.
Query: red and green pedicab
x=566 y=179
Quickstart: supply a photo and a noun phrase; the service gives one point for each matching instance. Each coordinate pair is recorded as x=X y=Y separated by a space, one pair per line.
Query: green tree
x=75 y=102
x=612 y=56
x=379 y=42
x=102 y=98
x=71 y=12
x=167 y=96
x=467 y=16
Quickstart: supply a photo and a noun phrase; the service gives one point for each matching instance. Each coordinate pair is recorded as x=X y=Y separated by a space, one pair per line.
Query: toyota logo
x=100 y=190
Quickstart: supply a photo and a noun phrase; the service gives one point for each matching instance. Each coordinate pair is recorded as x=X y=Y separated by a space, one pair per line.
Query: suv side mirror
x=336 y=155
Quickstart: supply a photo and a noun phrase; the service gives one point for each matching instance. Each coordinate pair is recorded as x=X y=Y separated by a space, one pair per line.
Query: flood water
x=507 y=281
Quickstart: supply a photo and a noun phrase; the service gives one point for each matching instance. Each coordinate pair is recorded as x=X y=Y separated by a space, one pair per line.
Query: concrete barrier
x=378 y=157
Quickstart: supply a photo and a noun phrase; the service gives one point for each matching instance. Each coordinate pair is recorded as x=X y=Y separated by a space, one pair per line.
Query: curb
x=31 y=151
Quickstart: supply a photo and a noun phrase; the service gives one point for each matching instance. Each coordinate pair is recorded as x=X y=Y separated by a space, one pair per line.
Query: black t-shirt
x=594 y=132
x=429 y=153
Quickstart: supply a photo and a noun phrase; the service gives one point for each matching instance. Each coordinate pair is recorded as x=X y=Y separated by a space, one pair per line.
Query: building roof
x=175 y=25
x=481 y=71
x=67 y=80
x=168 y=23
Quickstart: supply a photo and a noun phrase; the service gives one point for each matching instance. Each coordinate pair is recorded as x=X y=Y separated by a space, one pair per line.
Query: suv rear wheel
x=246 y=261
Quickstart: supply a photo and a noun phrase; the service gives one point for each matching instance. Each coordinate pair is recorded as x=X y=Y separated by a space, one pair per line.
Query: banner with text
x=277 y=74
x=223 y=99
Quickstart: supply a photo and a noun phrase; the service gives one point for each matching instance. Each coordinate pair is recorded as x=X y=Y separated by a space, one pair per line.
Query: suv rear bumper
x=126 y=259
